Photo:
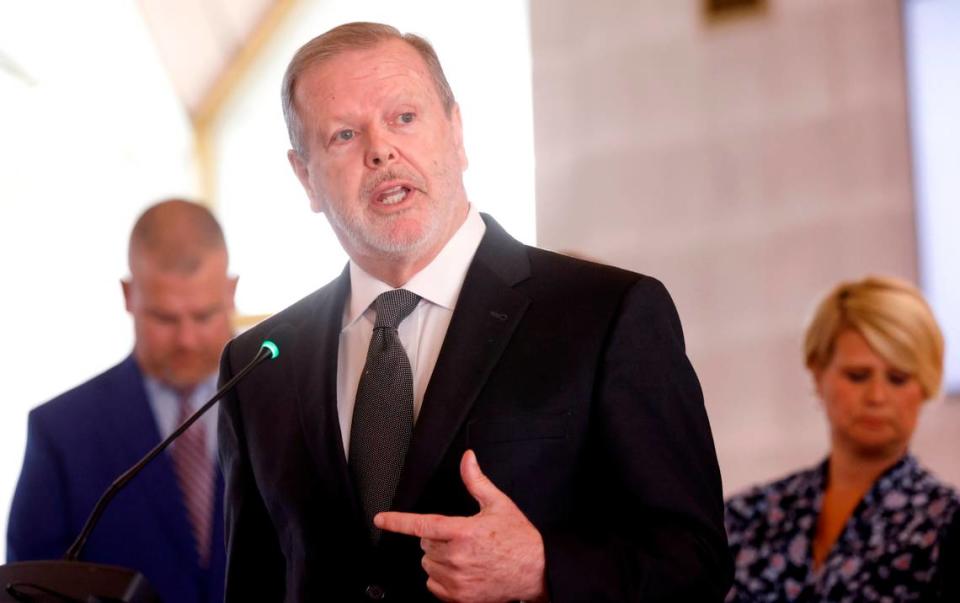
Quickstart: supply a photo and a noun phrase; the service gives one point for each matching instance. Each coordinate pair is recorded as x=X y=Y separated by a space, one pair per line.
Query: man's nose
x=380 y=151
x=188 y=334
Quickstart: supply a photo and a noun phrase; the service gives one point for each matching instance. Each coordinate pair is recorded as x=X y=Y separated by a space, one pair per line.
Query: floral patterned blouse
x=887 y=551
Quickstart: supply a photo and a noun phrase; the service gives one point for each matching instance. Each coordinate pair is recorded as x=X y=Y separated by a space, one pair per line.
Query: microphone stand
x=73 y=581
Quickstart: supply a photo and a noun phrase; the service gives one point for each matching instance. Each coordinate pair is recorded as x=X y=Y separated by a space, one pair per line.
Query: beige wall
x=749 y=164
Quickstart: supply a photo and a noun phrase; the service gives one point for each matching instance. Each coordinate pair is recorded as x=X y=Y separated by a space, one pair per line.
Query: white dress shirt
x=421 y=333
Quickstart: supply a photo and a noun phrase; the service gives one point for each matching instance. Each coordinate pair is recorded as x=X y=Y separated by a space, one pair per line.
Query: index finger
x=434 y=527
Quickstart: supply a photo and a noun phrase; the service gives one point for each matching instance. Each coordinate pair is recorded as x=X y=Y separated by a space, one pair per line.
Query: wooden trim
x=205 y=114
x=721 y=11
x=242 y=322
x=217 y=94
x=206 y=166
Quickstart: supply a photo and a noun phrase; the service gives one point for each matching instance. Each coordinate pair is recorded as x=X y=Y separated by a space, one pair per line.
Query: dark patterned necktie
x=383 y=413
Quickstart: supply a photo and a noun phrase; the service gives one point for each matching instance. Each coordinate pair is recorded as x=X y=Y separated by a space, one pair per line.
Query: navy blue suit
x=77 y=444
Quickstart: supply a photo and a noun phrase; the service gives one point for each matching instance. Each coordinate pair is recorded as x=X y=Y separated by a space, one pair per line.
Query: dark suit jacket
x=77 y=444
x=570 y=382
x=946 y=585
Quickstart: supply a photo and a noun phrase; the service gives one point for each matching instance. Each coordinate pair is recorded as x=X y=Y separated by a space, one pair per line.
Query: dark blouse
x=887 y=551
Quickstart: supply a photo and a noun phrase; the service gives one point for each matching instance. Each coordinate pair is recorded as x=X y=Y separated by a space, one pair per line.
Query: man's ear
x=457 y=126
x=303 y=175
x=127 y=287
x=232 y=291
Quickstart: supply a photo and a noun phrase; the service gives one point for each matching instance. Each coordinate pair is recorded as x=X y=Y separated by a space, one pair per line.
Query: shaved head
x=176 y=235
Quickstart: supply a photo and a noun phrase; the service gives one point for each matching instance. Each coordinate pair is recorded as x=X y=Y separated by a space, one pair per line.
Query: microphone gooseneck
x=268 y=350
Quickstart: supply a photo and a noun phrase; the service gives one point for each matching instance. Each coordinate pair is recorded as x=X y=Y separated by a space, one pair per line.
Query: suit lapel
x=487 y=313
x=317 y=354
x=135 y=431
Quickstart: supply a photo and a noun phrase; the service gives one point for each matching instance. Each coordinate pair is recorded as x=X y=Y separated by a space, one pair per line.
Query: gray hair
x=347 y=37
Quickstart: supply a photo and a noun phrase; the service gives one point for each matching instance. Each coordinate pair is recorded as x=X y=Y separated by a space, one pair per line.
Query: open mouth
x=393 y=195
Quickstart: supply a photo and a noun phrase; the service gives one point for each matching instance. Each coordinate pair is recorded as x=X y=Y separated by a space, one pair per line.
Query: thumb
x=478 y=485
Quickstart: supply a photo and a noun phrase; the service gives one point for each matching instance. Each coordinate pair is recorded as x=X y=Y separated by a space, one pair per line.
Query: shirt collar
x=161 y=392
x=439 y=282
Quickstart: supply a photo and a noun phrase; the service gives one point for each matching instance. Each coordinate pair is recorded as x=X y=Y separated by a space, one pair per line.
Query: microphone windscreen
x=280 y=338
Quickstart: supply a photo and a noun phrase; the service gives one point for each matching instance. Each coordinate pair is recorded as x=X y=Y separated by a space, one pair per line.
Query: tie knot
x=186 y=407
x=393 y=306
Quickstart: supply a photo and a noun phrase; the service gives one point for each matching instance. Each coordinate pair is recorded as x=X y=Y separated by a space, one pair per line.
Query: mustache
x=370 y=183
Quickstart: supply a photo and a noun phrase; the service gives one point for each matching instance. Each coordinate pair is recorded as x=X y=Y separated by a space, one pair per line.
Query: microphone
x=61 y=579
x=268 y=349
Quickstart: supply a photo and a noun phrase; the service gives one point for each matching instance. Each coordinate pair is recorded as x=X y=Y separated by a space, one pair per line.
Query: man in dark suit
x=167 y=523
x=457 y=416
x=946 y=584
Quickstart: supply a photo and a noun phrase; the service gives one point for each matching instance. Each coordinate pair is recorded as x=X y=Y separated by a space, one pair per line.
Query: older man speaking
x=457 y=416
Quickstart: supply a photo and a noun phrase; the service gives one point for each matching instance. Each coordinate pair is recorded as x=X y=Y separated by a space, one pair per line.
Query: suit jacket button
x=375 y=593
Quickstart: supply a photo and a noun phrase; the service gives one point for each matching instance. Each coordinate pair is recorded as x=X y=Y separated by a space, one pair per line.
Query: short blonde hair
x=892 y=316
x=344 y=38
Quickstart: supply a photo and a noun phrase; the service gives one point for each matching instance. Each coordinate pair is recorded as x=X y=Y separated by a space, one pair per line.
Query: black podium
x=73 y=582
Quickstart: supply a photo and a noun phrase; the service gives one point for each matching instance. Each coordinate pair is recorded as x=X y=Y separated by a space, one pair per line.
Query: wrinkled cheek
x=318 y=200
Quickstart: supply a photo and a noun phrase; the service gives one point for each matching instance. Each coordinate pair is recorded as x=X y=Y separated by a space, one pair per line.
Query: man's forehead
x=172 y=292
x=172 y=266
x=391 y=61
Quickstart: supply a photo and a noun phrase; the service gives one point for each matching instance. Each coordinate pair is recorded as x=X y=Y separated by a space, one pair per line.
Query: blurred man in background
x=167 y=523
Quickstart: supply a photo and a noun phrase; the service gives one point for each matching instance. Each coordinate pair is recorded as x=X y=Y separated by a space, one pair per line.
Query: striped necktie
x=195 y=473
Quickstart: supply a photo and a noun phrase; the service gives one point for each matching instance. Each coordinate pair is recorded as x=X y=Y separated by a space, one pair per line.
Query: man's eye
x=344 y=135
x=204 y=317
x=407 y=118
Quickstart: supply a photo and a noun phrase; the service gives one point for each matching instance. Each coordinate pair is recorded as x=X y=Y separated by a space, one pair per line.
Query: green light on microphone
x=274 y=350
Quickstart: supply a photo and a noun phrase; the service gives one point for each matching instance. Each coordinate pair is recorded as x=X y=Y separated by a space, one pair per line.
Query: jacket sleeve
x=654 y=530
x=255 y=563
x=38 y=524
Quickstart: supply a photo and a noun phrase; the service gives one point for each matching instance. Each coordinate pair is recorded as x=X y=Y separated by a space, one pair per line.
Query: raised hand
x=491 y=557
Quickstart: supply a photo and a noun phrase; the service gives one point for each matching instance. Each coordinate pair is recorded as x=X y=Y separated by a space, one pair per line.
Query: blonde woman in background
x=865 y=524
